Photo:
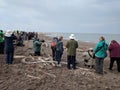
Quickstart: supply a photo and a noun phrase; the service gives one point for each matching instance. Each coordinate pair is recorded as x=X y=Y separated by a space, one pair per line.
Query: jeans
x=58 y=56
x=9 y=57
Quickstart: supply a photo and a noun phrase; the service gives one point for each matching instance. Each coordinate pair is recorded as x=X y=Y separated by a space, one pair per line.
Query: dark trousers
x=36 y=53
x=2 y=48
x=53 y=52
x=112 y=59
x=71 y=60
x=99 y=65
x=9 y=57
x=58 y=56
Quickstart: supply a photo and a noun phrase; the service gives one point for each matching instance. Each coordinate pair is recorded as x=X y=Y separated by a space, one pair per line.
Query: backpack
x=53 y=44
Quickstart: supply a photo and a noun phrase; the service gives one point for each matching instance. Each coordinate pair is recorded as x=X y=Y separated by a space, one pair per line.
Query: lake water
x=89 y=37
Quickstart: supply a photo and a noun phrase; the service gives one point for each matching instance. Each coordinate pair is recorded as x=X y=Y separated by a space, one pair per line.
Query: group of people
x=99 y=53
x=95 y=57
x=57 y=50
x=39 y=46
x=9 y=39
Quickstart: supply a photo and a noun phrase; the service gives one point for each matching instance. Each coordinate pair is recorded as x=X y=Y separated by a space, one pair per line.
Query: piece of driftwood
x=19 y=56
x=33 y=77
x=49 y=74
x=40 y=60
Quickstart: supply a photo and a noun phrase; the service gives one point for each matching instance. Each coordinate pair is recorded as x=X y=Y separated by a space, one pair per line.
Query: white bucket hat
x=72 y=36
x=8 y=33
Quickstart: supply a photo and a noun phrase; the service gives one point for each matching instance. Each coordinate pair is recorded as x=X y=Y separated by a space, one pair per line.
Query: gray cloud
x=61 y=15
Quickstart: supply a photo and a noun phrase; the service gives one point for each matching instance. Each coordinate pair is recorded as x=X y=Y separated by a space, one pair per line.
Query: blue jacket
x=102 y=52
x=9 y=47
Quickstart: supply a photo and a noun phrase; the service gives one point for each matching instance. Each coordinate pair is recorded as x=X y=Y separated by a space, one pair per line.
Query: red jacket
x=114 y=49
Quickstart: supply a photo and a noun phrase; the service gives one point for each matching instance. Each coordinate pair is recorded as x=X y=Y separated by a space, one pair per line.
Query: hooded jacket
x=114 y=49
x=102 y=53
x=37 y=45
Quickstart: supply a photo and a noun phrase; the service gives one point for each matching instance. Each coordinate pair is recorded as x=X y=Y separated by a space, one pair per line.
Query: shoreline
x=88 y=37
x=82 y=44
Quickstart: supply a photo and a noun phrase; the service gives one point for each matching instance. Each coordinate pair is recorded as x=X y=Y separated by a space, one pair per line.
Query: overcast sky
x=84 y=16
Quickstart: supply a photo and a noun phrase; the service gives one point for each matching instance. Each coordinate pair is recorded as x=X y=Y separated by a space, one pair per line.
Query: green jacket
x=71 y=46
x=1 y=37
x=102 y=52
x=37 y=46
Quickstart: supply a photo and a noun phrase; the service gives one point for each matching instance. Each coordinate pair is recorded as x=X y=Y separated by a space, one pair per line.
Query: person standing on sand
x=71 y=46
x=114 y=49
x=53 y=47
x=9 y=47
x=100 y=53
x=59 y=50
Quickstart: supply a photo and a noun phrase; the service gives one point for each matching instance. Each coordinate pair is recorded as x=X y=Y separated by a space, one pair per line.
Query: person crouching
x=37 y=47
x=87 y=57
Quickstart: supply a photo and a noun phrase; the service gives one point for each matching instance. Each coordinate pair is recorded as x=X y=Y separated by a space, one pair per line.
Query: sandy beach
x=46 y=76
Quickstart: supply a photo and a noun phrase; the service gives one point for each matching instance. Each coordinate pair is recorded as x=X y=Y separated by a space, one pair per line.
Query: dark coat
x=59 y=46
x=9 y=47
